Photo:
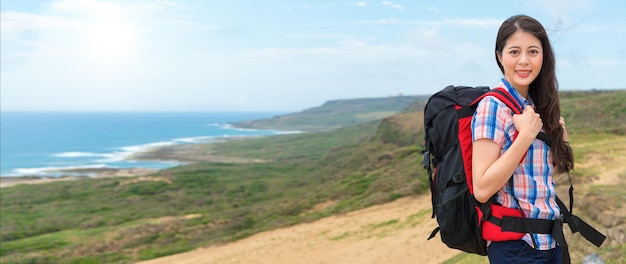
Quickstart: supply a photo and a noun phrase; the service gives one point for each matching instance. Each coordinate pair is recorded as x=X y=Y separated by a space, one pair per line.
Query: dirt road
x=395 y=232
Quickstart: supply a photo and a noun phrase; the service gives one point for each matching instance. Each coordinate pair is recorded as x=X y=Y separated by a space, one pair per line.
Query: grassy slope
x=599 y=139
x=336 y=113
x=124 y=220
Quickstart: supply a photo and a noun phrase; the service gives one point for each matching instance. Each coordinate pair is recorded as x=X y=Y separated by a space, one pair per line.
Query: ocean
x=42 y=143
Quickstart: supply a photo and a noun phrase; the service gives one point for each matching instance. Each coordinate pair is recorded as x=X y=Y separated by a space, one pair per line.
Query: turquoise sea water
x=38 y=143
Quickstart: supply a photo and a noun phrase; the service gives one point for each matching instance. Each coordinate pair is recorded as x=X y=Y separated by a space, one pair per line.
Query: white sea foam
x=78 y=154
x=194 y=140
x=116 y=156
x=129 y=151
x=226 y=126
x=83 y=152
x=231 y=127
x=243 y=129
x=124 y=154
x=214 y=124
x=149 y=146
x=186 y=140
x=144 y=147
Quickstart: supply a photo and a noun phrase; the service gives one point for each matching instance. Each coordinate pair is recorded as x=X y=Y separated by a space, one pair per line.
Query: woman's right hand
x=528 y=124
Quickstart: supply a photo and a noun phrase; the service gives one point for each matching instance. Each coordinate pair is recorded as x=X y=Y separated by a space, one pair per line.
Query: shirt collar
x=518 y=97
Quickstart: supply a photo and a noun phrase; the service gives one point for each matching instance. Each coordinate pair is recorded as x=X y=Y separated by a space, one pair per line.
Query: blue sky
x=134 y=55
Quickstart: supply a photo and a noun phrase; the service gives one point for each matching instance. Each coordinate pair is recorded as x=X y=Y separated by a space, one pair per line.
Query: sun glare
x=109 y=41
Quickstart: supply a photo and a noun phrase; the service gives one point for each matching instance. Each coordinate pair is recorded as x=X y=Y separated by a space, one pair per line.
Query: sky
x=184 y=55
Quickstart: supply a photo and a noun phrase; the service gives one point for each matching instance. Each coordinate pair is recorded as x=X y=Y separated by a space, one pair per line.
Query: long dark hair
x=544 y=89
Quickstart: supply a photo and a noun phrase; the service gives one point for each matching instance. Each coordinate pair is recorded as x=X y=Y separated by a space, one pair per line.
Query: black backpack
x=448 y=158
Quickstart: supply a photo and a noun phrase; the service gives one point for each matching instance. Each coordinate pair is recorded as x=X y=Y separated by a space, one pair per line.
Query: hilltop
x=336 y=113
x=297 y=180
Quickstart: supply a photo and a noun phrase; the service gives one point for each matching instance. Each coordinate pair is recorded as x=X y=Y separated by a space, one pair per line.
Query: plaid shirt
x=532 y=180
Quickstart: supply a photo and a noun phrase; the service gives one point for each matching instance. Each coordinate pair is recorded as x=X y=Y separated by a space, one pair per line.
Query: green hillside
x=595 y=111
x=122 y=220
x=336 y=113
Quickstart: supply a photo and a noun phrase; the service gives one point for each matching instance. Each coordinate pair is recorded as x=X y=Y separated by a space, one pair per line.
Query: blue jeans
x=518 y=251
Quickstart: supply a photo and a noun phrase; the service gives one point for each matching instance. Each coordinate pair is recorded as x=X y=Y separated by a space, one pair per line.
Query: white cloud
x=473 y=22
x=392 y=5
x=100 y=37
x=384 y=21
x=605 y=63
x=162 y=55
x=91 y=7
x=15 y=22
x=434 y=9
x=563 y=9
x=480 y=23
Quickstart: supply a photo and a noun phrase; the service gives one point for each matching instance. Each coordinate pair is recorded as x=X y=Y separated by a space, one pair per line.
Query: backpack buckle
x=458 y=178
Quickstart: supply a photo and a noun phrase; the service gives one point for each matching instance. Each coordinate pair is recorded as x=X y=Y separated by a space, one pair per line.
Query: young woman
x=505 y=146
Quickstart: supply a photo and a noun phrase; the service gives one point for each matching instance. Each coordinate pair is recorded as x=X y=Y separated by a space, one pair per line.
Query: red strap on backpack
x=504 y=96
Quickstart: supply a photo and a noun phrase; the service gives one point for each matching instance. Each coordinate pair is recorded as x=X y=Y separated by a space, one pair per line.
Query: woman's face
x=521 y=58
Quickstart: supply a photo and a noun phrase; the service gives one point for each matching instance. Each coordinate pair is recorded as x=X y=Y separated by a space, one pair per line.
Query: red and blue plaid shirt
x=533 y=184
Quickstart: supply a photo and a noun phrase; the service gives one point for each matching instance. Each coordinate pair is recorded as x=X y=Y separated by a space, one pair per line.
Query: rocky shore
x=183 y=154
x=77 y=174
x=189 y=153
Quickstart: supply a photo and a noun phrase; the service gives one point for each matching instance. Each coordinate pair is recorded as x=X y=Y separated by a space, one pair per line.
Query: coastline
x=182 y=154
x=191 y=153
x=71 y=175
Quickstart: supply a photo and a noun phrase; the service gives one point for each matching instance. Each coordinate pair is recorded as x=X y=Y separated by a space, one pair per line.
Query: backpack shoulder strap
x=503 y=96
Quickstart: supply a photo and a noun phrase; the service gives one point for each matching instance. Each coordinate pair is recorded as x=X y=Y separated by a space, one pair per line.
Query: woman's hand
x=562 y=123
x=528 y=124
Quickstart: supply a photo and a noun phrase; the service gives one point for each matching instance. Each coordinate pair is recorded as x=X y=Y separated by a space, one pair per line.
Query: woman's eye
x=513 y=52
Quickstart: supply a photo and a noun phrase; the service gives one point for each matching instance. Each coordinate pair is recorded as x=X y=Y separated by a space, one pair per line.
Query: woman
x=505 y=146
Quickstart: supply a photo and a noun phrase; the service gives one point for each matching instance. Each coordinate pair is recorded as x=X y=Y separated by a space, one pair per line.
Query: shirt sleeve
x=490 y=120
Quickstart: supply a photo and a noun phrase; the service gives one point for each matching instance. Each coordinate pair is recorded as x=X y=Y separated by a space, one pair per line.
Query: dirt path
x=390 y=233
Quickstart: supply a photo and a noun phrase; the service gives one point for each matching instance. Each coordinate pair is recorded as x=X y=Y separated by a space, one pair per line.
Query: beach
x=183 y=154
x=78 y=174
x=190 y=153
